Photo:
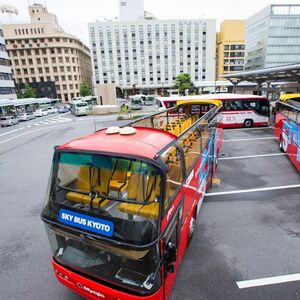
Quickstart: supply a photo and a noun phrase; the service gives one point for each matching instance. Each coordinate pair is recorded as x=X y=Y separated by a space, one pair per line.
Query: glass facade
x=273 y=37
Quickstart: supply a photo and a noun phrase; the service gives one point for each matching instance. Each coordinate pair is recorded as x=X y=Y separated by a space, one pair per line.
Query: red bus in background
x=238 y=110
x=287 y=126
x=122 y=203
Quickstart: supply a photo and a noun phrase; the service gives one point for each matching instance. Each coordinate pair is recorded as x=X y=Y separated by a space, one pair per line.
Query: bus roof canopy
x=286 y=97
x=200 y=101
x=146 y=142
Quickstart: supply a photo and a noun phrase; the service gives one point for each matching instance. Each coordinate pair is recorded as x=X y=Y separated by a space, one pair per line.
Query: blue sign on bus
x=85 y=222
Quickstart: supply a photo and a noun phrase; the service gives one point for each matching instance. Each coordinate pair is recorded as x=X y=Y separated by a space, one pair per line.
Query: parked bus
x=136 y=102
x=122 y=202
x=238 y=110
x=287 y=126
x=79 y=108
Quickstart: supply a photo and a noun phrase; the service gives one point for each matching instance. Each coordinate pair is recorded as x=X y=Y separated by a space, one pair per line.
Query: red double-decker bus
x=122 y=203
x=287 y=126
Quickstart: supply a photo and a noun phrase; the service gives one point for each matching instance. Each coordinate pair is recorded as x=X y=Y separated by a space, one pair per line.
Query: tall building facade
x=230 y=47
x=273 y=37
x=149 y=54
x=7 y=87
x=46 y=57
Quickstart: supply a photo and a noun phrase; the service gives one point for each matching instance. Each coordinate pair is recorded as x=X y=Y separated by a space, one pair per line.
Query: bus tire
x=248 y=123
x=282 y=145
x=192 y=227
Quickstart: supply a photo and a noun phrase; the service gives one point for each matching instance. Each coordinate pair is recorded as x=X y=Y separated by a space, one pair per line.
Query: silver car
x=8 y=121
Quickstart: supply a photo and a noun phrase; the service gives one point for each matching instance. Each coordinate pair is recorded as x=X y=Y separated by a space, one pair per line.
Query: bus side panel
x=278 y=125
x=232 y=119
x=93 y=290
x=290 y=132
x=293 y=153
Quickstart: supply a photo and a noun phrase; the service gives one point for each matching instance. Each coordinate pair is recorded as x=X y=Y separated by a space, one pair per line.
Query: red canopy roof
x=145 y=142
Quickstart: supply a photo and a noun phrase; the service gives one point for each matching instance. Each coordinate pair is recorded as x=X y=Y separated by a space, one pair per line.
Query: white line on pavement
x=253 y=139
x=268 y=280
x=30 y=132
x=252 y=128
x=254 y=190
x=11 y=131
x=252 y=156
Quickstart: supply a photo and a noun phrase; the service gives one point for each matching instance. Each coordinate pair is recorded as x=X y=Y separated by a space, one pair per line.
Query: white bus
x=136 y=102
x=239 y=110
x=79 y=108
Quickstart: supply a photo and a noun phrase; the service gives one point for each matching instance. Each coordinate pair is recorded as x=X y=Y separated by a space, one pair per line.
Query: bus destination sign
x=85 y=222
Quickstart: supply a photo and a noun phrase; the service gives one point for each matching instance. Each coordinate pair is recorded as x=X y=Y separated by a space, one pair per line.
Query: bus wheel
x=248 y=123
x=192 y=227
x=282 y=145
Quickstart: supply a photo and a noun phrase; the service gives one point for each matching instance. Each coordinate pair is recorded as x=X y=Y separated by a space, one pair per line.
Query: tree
x=29 y=91
x=84 y=89
x=183 y=82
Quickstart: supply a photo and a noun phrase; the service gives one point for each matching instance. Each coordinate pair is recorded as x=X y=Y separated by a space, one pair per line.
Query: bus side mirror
x=171 y=256
x=172 y=252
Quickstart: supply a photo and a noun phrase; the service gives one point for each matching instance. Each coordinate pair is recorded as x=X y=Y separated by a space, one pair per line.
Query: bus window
x=173 y=159
x=190 y=143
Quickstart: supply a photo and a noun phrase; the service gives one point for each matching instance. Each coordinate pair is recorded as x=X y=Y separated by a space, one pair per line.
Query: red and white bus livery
x=287 y=127
x=238 y=110
x=122 y=202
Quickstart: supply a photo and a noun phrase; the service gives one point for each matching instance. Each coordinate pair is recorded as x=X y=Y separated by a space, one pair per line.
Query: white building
x=7 y=87
x=148 y=54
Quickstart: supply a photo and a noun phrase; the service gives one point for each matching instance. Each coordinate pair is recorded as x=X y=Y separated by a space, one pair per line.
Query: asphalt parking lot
x=248 y=230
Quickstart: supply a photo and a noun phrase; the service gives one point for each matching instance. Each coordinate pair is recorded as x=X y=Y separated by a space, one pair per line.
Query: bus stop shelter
x=287 y=76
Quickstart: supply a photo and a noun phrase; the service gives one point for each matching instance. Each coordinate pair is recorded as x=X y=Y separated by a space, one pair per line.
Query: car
x=25 y=116
x=63 y=109
x=8 y=121
x=45 y=112
x=31 y=115
x=38 y=113
x=51 y=110
x=22 y=117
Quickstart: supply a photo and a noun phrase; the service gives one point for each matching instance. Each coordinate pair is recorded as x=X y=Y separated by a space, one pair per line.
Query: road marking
x=253 y=128
x=262 y=138
x=11 y=131
x=30 y=132
x=268 y=280
x=273 y=188
x=251 y=156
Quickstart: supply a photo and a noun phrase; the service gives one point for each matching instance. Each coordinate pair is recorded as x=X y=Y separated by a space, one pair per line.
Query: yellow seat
x=142 y=188
x=145 y=210
x=85 y=199
x=119 y=177
x=91 y=178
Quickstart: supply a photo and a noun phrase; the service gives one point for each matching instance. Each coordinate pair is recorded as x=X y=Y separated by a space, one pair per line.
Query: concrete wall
x=106 y=93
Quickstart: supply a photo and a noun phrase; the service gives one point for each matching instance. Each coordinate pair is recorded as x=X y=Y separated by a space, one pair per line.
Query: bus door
x=171 y=241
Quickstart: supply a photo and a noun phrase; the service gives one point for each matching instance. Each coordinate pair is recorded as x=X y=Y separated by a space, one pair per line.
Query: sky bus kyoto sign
x=85 y=222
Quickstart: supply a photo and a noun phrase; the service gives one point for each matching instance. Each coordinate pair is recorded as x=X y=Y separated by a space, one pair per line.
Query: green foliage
x=183 y=82
x=19 y=95
x=29 y=91
x=84 y=89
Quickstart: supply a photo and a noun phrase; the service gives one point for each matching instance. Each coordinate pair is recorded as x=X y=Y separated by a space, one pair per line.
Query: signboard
x=86 y=222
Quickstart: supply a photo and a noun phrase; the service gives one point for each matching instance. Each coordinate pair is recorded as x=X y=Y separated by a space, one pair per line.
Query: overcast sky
x=73 y=15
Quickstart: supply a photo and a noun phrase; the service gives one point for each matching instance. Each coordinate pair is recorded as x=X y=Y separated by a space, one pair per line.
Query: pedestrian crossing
x=53 y=120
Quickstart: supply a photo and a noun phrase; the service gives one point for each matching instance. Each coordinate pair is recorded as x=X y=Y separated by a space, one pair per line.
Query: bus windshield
x=120 y=190
x=111 y=203
x=81 y=104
